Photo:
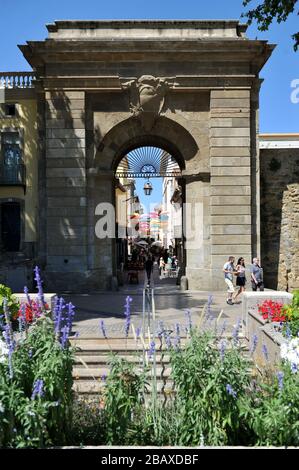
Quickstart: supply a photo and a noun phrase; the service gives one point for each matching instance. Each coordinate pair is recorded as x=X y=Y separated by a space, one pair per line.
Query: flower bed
x=273 y=324
x=36 y=395
x=220 y=397
x=218 y=401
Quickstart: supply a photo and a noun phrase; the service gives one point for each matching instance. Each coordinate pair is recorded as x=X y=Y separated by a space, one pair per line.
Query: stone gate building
x=103 y=88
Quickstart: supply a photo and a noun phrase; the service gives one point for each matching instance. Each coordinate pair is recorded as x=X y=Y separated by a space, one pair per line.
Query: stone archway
x=192 y=87
x=121 y=139
x=129 y=134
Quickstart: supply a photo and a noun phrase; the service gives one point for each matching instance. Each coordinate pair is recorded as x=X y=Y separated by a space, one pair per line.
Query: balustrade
x=16 y=79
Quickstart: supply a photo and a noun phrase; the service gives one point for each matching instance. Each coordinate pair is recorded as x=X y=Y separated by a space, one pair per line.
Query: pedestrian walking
x=161 y=265
x=229 y=271
x=257 y=281
x=241 y=278
x=149 y=268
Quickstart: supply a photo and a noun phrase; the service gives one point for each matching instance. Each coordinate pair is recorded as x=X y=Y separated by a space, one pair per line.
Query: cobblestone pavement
x=170 y=302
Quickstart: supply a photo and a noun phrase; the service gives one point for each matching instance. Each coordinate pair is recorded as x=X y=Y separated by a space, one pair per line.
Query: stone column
x=101 y=228
x=196 y=215
x=230 y=202
x=66 y=189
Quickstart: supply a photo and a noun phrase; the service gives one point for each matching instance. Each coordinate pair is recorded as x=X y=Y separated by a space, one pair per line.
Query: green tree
x=268 y=11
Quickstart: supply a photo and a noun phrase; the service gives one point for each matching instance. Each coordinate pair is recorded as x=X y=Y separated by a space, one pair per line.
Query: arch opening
x=146 y=162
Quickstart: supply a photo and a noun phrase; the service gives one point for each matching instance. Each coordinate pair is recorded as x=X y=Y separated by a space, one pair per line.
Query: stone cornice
x=159 y=27
x=177 y=84
x=225 y=50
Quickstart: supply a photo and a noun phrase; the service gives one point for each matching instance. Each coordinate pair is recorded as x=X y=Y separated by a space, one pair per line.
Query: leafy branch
x=268 y=11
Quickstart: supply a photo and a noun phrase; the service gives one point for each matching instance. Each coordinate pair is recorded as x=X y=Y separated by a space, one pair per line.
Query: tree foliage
x=268 y=11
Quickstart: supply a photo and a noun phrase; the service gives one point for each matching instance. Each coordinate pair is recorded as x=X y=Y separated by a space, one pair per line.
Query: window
x=11 y=148
x=10 y=110
x=10 y=226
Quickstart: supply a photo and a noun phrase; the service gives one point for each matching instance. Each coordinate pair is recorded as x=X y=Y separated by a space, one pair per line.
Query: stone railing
x=16 y=79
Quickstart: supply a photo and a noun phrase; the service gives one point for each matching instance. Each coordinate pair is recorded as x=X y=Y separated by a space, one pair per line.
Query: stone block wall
x=230 y=189
x=66 y=239
x=280 y=217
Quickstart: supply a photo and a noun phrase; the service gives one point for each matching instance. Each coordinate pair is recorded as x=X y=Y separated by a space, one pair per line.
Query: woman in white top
x=241 y=279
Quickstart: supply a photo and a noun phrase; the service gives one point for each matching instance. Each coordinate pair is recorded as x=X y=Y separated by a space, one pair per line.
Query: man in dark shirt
x=149 y=268
x=256 y=275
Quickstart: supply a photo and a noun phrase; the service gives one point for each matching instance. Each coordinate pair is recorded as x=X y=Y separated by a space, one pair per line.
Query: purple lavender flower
x=222 y=350
x=223 y=328
x=294 y=368
x=103 y=329
x=152 y=349
x=26 y=291
x=177 y=340
x=104 y=377
x=254 y=344
x=236 y=332
x=70 y=315
x=30 y=352
x=23 y=312
x=59 y=308
x=265 y=352
x=189 y=320
x=64 y=336
x=288 y=332
x=127 y=315
x=138 y=331
x=209 y=304
x=39 y=283
x=280 y=376
x=38 y=389
x=167 y=340
x=9 y=337
x=161 y=328
x=231 y=391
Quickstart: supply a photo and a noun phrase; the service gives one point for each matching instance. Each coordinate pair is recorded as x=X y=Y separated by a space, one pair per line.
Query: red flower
x=272 y=311
x=32 y=311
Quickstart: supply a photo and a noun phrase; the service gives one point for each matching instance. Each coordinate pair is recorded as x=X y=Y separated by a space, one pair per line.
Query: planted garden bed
x=220 y=398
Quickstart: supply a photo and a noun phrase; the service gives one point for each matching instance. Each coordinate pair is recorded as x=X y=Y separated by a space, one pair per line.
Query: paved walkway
x=171 y=305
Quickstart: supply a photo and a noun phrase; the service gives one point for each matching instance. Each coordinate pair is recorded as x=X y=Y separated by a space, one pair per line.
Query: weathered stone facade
x=206 y=118
x=280 y=217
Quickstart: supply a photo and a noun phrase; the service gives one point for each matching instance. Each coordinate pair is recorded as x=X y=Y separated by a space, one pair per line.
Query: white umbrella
x=142 y=243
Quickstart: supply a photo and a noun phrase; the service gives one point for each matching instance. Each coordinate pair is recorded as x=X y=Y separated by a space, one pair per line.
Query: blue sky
x=22 y=20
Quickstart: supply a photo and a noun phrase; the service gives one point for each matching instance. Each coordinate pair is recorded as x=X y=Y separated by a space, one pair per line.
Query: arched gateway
x=106 y=88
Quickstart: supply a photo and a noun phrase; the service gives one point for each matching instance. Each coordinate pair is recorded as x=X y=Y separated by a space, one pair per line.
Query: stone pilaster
x=230 y=190
x=66 y=187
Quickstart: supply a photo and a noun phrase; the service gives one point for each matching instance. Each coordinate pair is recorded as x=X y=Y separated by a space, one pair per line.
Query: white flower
x=3 y=351
x=290 y=351
x=1 y=408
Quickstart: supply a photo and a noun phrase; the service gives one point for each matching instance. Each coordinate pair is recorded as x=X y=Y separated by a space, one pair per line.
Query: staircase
x=93 y=355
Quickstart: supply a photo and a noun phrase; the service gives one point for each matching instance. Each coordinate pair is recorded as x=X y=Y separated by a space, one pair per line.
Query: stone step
x=97 y=373
x=104 y=358
x=89 y=387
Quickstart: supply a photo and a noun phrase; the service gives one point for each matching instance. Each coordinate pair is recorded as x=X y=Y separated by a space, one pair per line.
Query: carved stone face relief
x=147 y=95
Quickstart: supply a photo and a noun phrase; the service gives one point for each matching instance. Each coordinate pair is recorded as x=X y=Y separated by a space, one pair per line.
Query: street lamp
x=147 y=188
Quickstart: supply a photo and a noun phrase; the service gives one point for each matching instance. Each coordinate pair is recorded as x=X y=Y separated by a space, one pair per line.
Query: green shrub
x=43 y=417
x=123 y=398
x=12 y=304
x=88 y=422
x=210 y=386
x=273 y=413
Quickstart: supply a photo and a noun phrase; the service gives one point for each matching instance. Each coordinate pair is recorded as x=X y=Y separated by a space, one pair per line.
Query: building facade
x=104 y=88
x=18 y=180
